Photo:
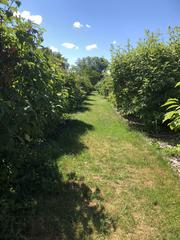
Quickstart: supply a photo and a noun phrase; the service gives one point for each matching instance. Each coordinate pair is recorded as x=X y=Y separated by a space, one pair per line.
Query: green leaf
x=5 y=2
x=173 y=106
x=170 y=101
x=178 y=84
x=169 y=116
x=18 y=3
x=9 y=14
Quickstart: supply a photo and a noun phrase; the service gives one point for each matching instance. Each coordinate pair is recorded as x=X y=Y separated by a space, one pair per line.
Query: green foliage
x=105 y=87
x=91 y=68
x=76 y=92
x=144 y=77
x=173 y=116
x=36 y=90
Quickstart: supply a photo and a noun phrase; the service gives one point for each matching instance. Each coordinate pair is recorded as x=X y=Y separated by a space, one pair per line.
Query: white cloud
x=54 y=49
x=114 y=42
x=88 y=26
x=78 y=25
x=25 y=14
x=33 y=18
x=70 y=45
x=36 y=19
x=91 y=47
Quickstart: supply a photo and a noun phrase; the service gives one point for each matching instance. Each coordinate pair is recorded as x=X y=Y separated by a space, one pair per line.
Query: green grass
x=117 y=184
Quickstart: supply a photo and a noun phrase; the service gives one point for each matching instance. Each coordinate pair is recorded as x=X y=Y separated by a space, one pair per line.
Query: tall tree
x=92 y=68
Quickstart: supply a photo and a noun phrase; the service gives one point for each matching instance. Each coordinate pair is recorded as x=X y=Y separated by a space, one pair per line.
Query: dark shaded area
x=66 y=138
x=73 y=214
x=135 y=122
x=42 y=205
x=71 y=210
x=170 y=138
x=85 y=106
x=162 y=134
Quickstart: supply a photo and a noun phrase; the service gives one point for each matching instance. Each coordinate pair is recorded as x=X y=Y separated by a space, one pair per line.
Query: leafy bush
x=105 y=87
x=91 y=69
x=173 y=115
x=144 y=77
x=36 y=90
x=76 y=92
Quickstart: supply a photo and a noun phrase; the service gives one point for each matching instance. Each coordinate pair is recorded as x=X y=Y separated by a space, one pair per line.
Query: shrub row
x=143 y=78
x=36 y=91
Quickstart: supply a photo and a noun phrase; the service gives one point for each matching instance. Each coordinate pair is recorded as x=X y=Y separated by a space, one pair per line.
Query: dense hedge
x=106 y=87
x=36 y=91
x=144 y=77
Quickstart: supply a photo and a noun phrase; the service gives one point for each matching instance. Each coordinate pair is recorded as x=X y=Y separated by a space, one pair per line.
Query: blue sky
x=99 y=23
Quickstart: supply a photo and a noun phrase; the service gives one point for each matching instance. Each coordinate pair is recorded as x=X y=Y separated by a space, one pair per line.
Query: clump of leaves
x=173 y=114
x=36 y=91
x=143 y=77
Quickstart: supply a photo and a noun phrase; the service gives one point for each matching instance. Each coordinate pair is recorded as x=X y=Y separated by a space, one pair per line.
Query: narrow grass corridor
x=127 y=176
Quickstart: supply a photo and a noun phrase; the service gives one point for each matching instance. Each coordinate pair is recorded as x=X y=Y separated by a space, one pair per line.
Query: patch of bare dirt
x=175 y=162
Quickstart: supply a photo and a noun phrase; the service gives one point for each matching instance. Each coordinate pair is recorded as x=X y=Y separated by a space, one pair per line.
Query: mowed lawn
x=133 y=192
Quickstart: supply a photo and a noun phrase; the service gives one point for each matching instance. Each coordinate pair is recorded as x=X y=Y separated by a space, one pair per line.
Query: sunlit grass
x=140 y=191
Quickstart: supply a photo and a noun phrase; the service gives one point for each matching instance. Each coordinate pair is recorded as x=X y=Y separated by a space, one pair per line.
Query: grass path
x=138 y=190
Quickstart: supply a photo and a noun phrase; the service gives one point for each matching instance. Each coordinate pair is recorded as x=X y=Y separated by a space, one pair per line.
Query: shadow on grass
x=66 y=138
x=74 y=213
x=45 y=206
x=85 y=106
x=71 y=209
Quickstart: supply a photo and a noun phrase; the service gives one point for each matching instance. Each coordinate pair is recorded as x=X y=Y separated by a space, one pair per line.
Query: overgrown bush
x=144 y=76
x=75 y=92
x=36 y=90
x=105 y=87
